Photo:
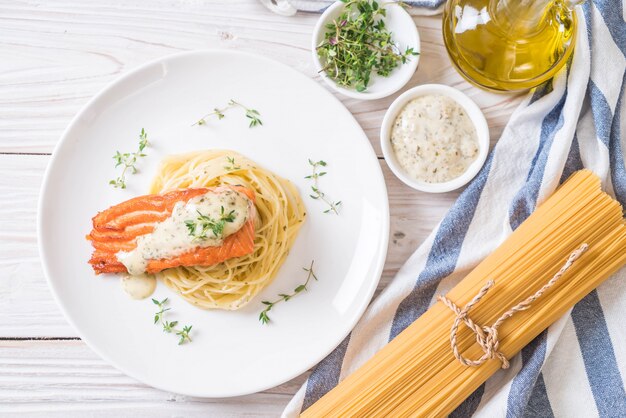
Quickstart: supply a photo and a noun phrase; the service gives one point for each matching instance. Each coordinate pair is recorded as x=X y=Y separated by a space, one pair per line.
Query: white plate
x=232 y=352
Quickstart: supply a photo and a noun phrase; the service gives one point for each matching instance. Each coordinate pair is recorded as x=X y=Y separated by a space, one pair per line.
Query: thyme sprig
x=158 y=317
x=251 y=114
x=128 y=160
x=170 y=326
x=358 y=43
x=231 y=166
x=283 y=297
x=199 y=227
x=184 y=334
x=317 y=193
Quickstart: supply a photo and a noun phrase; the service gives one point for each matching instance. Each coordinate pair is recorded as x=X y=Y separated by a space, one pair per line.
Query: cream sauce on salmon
x=203 y=221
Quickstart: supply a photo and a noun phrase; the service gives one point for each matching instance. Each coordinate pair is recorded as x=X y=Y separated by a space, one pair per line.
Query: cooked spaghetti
x=280 y=214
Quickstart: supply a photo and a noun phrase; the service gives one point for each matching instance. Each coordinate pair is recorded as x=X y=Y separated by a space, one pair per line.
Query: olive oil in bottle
x=507 y=45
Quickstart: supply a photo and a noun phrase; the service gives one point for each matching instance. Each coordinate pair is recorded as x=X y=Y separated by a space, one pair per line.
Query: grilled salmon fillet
x=117 y=228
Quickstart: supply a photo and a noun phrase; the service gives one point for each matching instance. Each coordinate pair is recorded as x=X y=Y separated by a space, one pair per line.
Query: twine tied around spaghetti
x=487 y=337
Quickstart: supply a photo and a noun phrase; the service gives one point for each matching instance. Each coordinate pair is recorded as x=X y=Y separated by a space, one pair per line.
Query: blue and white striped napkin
x=291 y=7
x=577 y=367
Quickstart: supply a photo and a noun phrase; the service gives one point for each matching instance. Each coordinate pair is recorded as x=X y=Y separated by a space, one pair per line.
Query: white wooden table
x=55 y=55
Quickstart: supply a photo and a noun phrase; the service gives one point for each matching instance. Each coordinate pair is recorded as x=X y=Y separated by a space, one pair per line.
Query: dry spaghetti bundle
x=565 y=249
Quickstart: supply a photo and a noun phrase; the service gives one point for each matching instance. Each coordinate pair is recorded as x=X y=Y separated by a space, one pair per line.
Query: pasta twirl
x=280 y=213
x=417 y=374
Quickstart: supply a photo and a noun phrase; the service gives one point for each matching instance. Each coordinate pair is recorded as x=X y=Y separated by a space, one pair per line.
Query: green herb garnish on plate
x=170 y=327
x=252 y=114
x=128 y=160
x=317 y=193
x=357 y=44
x=283 y=297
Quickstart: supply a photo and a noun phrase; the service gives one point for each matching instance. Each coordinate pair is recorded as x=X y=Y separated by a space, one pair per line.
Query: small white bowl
x=474 y=113
x=404 y=33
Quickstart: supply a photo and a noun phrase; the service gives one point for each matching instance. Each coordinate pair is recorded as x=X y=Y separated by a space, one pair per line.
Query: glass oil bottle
x=508 y=45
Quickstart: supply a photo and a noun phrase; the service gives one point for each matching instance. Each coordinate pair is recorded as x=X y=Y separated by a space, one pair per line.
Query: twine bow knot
x=487 y=336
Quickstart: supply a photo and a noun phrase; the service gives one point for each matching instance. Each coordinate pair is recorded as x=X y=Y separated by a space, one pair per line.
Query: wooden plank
x=54 y=56
x=28 y=309
x=64 y=378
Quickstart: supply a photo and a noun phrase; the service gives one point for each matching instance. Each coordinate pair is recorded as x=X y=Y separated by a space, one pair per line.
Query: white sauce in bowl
x=172 y=237
x=433 y=139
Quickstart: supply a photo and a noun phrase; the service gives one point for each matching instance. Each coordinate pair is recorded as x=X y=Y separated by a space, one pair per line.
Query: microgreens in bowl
x=358 y=43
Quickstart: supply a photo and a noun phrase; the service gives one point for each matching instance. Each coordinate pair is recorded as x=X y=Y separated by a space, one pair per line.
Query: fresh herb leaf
x=191 y=227
x=158 y=317
x=283 y=297
x=170 y=326
x=251 y=114
x=128 y=160
x=357 y=44
x=199 y=227
x=263 y=316
x=184 y=334
x=231 y=166
x=317 y=193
